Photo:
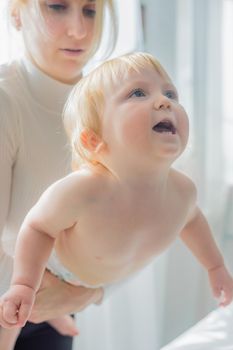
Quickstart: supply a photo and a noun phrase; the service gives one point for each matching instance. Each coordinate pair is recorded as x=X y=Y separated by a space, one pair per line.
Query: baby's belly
x=94 y=267
x=97 y=264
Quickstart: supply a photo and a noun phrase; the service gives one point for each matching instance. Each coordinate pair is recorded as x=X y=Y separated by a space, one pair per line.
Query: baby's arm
x=55 y=211
x=198 y=237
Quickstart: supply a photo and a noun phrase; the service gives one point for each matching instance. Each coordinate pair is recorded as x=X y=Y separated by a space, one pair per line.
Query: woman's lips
x=72 y=52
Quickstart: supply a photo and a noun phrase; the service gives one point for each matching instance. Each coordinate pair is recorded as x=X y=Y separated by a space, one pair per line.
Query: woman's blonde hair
x=104 y=8
x=85 y=106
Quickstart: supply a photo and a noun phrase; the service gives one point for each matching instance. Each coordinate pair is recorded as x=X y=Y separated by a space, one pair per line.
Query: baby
x=124 y=204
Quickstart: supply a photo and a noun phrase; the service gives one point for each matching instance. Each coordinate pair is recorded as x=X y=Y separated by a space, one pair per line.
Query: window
x=228 y=87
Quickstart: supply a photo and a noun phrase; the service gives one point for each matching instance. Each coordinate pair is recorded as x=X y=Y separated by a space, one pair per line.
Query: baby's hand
x=16 y=306
x=221 y=284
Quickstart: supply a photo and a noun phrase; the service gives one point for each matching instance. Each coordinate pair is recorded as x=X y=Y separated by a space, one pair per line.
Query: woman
x=59 y=37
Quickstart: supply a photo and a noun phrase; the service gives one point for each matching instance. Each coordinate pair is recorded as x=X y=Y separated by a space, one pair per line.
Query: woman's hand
x=65 y=325
x=57 y=298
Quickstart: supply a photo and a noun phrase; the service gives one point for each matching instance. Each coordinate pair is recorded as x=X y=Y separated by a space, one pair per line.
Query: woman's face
x=59 y=37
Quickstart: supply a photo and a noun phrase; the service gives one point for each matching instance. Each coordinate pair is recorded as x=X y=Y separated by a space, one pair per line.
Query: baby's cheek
x=135 y=130
x=184 y=130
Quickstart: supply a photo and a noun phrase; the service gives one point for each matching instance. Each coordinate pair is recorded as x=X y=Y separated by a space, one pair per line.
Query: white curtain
x=227 y=218
x=203 y=74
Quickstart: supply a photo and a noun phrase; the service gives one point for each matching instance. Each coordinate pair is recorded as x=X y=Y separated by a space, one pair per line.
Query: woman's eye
x=137 y=93
x=89 y=12
x=171 y=94
x=57 y=7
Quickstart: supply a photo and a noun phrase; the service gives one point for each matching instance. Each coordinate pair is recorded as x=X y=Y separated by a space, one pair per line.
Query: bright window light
x=228 y=87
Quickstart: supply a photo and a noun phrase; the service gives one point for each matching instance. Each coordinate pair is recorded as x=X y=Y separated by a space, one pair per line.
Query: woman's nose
x=76 y=26
x=162 y=102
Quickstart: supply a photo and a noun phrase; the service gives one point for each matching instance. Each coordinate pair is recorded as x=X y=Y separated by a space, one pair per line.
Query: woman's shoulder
x=8 y=92
x=13 y=76
x=12 y=87
x=9 y=77
x=8 y=72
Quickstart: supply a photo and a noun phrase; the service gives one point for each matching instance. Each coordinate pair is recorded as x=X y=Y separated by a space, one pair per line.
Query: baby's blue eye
x=171 y=94
x=89 y=12
x=137 y=93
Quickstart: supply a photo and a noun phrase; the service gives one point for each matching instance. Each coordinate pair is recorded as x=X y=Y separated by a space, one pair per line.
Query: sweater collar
x=48 y=92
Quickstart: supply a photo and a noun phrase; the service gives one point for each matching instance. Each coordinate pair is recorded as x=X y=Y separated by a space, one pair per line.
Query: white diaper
x=55 y=266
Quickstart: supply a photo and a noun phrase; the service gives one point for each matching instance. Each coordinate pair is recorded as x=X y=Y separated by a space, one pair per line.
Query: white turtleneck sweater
x=34 y=151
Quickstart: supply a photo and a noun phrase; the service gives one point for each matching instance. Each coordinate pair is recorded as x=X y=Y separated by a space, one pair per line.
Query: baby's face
x=143 y=116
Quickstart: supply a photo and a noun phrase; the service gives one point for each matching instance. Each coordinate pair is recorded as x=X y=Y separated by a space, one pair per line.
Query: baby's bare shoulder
x=79 y=183
x=63 y=200
x=72 y=188
x=184 y=185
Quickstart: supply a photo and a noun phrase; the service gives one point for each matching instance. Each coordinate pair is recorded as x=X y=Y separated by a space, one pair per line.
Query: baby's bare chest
x=113 y=238
x=141 y=225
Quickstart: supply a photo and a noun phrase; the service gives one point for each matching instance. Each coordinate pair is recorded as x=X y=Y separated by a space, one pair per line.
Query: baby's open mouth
x=165 y=126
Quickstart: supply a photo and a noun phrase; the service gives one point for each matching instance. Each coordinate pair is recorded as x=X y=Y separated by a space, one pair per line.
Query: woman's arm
x=54 y=292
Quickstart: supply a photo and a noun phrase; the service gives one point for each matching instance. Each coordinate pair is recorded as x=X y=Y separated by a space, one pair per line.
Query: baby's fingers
x=24 y=313
x=10 y=312
x=217 y=291
x=225 y=297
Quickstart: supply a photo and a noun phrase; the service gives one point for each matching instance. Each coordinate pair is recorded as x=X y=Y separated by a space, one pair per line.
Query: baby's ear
x=91 y=141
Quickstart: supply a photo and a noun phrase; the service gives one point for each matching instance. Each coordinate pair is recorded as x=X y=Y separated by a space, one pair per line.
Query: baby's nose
x=162 y=102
